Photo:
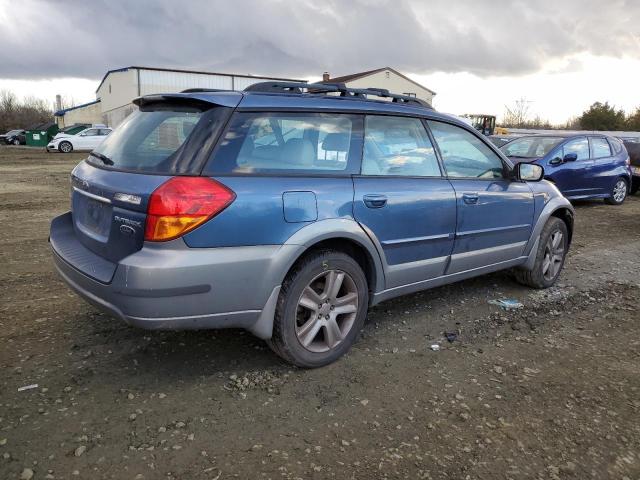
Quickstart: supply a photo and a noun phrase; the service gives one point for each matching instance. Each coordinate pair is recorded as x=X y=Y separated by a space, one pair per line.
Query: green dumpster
x=40 y=135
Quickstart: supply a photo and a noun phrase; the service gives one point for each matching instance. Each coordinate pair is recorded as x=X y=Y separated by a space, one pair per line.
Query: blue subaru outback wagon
x=290 y=209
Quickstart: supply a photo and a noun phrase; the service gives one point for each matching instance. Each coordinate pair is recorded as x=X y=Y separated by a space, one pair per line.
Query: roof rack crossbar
x=203 y=90
x=341 y=88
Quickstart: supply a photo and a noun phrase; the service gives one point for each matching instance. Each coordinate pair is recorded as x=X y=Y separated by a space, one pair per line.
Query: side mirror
x=570 y=157
x=555 y=161
x=529 y=172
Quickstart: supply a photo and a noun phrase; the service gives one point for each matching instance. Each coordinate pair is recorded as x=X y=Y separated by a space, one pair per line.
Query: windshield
x=154 y=139
x=13 y=132
x=530 y=147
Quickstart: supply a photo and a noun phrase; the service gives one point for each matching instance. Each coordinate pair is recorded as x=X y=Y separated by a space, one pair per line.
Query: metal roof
x=161 y=69
x=60 y=113
x=357 y=76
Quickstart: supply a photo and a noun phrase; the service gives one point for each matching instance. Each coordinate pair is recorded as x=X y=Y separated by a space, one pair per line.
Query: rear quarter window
x=289 y=143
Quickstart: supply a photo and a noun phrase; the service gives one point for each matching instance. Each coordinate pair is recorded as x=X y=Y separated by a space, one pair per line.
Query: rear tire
x=618 y=192
x=321 y=309
x=65 y=147
x=552 y=251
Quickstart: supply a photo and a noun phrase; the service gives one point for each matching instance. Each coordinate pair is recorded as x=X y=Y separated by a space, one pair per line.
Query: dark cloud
x=302 y=38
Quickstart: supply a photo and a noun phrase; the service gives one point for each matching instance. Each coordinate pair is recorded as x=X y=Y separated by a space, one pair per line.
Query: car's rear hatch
x=171 y=135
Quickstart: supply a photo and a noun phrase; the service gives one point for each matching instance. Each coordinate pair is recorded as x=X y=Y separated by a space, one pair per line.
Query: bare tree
x=22 y=114
x=68 y=102
x=8 y=101
x=517 y=116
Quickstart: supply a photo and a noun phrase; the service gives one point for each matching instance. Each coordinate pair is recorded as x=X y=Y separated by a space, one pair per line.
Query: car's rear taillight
x=181 y=204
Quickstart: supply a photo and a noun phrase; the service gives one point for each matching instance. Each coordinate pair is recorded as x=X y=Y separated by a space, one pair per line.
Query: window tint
x=104 y=131
x=600 y=148
x=398 y=146
x=464 y=155
x=152 y=139
x=287 y=142
x=91 y=132
x=616 y=144
x=579 y=146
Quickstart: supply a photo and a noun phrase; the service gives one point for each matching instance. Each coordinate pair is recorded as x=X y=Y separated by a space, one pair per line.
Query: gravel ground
x=550 y=391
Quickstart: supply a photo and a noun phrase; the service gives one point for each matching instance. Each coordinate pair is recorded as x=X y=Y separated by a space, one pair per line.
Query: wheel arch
x=346 y=236
x=558 y=207
x=566 y=215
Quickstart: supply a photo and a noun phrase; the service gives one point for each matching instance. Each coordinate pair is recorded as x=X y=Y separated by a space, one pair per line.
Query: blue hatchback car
x=289 y=209
x=581 y=166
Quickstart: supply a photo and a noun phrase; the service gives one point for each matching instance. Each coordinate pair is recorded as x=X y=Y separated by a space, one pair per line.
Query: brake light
x=181 y=204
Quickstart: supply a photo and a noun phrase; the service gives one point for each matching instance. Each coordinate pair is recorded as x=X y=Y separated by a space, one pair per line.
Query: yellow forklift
x=485 y=123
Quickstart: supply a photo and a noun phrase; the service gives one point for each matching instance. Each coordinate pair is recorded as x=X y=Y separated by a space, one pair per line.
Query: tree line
x=599 y=116
x=602 y=116
x=15 y=113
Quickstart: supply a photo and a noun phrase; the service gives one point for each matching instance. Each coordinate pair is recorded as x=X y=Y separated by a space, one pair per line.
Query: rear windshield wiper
x=106 y=160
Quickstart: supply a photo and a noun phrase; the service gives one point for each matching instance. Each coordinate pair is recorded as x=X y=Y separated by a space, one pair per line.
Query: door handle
x=470 y=198
x=375 y=201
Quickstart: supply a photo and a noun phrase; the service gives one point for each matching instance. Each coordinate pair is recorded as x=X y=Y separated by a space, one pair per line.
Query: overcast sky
x=561 y=55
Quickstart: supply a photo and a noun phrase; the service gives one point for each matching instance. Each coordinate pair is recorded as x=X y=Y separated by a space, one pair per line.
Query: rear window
x=296 y=143
x=164 y=139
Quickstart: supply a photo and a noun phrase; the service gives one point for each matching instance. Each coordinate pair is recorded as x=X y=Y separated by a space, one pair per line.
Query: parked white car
x=87 y=139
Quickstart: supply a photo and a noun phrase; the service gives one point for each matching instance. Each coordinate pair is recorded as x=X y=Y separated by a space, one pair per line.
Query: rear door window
x=600 y=147
x=398 y=146
x=162 y=138
x=295 y=143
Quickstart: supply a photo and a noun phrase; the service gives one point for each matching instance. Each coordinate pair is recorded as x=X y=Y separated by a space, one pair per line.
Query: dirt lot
x=546 y=392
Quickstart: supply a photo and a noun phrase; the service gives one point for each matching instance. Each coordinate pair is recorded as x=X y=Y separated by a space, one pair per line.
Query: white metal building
x=86 y=113
x=385 y=77
x=119 y=87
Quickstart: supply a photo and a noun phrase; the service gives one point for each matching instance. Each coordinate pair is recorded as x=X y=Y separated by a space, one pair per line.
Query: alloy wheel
x=620 y=191
x=327 y=310
x=553 y=255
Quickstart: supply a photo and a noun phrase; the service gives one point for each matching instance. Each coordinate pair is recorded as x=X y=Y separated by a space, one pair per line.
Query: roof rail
x=341 y=88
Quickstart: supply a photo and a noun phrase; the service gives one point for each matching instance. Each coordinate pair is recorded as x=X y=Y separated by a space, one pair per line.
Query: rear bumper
x=169 y=286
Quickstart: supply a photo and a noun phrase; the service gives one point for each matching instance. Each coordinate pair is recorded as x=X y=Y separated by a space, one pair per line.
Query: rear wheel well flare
x=349 y=247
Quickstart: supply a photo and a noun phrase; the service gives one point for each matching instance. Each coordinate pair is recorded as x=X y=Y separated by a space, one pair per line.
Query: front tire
x=618 y=193
x=322 y=306
x=552 y=251
x=65 y=147
x=16 y=141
